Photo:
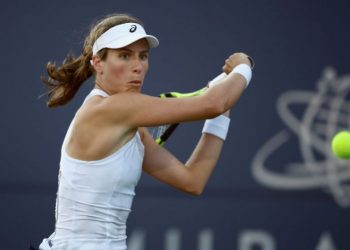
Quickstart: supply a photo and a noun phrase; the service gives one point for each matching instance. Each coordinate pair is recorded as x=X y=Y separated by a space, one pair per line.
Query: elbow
x=194 y=184
x=194 y=191
x=197 y=193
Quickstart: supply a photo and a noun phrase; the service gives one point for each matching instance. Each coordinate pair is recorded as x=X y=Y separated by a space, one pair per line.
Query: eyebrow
x=129 y=50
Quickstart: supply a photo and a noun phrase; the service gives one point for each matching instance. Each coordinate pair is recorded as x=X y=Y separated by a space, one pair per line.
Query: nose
x=137 y=66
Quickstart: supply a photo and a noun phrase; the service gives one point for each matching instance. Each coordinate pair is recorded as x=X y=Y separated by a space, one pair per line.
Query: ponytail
x=64 y=81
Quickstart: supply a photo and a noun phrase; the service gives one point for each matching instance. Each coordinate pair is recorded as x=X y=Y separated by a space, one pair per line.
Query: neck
x=98 y=86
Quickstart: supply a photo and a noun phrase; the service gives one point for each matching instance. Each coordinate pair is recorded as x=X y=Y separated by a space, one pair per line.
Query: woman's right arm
x=139 y=110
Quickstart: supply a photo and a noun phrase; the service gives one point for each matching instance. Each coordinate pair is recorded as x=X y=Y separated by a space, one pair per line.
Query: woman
x=107 y=145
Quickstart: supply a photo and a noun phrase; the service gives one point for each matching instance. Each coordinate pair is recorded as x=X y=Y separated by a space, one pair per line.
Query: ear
x=96 y=62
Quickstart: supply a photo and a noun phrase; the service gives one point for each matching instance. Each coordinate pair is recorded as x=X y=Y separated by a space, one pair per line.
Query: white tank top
x=94 y=198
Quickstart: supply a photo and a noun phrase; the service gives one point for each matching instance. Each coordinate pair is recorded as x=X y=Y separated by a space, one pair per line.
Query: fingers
x=228 y=67
x=236 y=59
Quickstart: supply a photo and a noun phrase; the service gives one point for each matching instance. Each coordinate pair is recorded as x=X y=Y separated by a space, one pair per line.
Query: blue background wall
x=288 y=194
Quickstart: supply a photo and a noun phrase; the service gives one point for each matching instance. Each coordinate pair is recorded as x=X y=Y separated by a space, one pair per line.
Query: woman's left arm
x=191 y=177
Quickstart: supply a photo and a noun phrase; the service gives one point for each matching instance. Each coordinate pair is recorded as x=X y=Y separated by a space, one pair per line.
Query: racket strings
x=157 y=132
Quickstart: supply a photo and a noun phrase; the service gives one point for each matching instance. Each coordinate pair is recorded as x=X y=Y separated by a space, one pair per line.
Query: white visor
x=122 y=35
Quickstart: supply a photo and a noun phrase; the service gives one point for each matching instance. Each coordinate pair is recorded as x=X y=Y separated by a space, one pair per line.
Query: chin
x=136 y=90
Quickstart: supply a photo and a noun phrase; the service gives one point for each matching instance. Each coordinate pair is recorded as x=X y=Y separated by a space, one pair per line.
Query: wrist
x=217 y=126
x=244 y=70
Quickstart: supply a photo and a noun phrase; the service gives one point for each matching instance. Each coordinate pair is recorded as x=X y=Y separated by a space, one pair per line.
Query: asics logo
x=133 y=28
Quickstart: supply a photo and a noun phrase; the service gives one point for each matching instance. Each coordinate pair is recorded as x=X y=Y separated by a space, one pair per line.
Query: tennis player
x=107 y=146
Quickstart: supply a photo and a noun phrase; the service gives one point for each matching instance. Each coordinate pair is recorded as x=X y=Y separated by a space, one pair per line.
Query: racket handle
x=217 y=79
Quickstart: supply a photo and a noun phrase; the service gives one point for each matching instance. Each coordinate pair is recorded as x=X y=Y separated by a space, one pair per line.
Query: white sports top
x=94 y=198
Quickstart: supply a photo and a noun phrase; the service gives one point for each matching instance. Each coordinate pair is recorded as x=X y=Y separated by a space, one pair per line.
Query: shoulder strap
x=98 y=92
x=95 y=92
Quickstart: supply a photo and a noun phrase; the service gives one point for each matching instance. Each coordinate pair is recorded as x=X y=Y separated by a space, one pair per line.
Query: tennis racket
x=162 y=133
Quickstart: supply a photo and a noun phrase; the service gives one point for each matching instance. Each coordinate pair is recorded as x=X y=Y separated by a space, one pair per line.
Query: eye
x=144 y=56
x=124 y=56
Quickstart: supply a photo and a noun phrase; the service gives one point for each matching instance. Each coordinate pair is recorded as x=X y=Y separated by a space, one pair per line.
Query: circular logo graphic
x=326 y=111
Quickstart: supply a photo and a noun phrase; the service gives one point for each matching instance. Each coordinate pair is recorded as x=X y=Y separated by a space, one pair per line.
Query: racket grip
x=217 y=79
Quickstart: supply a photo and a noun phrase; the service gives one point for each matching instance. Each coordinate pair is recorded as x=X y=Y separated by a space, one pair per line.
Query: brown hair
x=65 y=80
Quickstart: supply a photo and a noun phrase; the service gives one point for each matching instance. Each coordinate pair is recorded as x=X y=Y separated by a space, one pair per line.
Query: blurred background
x=276 y=186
